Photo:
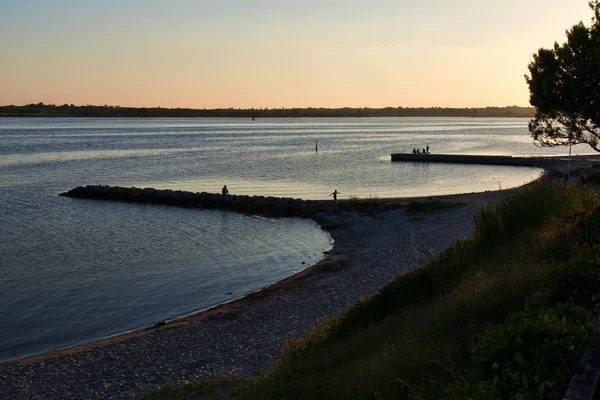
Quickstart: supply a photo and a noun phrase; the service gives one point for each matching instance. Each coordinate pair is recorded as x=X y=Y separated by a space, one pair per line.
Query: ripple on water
x=112 y=267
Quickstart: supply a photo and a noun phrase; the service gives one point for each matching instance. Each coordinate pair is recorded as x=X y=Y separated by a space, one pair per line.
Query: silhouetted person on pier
x=427 y=149
x=335 y=193
x=414 y=151
x=424 y=150
x=224 y=191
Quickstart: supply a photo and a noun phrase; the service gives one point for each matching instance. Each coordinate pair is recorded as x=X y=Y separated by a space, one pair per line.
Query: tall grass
x=496 y=223
x=411 y=338
x=543 y=200
x=414 y=337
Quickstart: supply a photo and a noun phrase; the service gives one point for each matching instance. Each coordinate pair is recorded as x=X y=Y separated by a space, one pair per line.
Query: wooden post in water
x=316 y=145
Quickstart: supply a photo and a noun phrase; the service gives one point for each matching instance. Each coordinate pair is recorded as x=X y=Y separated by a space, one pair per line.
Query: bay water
x=72 y=271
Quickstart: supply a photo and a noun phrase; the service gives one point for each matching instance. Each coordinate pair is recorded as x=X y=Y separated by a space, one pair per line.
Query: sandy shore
x=242 y=336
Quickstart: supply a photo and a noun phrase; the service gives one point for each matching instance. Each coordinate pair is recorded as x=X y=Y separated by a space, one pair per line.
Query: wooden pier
x=478 y=159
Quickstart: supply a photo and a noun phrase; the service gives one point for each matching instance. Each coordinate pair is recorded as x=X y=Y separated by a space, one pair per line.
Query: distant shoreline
x=73 y=111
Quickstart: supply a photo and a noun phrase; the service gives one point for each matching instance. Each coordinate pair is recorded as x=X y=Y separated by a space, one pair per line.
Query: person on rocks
x=427 y=149
x=334 y=194
x=224 y=191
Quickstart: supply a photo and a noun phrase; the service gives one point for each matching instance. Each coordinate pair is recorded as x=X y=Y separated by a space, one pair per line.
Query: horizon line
x=261 y=108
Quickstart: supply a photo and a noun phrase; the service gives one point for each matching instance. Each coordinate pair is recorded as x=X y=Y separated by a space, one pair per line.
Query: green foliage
x=531 y=357
x=577 y=280
x=590 y=231
x=563 y=85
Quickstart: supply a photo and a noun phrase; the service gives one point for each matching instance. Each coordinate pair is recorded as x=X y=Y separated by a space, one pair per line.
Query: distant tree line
x=70 y=110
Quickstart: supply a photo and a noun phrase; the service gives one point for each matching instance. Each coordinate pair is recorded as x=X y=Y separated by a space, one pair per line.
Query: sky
x=276 y=53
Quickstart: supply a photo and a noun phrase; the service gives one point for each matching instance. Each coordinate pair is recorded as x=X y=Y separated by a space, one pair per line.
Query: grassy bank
x=474 y=321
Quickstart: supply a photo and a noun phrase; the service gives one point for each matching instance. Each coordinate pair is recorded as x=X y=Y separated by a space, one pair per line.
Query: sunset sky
x=276 y=53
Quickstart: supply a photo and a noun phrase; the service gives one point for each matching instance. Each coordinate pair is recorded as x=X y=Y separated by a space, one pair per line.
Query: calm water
x=73 y=270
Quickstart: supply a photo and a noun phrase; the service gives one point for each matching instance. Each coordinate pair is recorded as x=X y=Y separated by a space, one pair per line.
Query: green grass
x=419 y=336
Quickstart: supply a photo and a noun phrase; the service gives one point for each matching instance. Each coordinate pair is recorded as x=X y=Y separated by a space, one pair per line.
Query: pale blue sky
x=329 y=53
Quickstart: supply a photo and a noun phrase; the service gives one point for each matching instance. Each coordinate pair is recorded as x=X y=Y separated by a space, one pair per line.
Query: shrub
x=532 y=356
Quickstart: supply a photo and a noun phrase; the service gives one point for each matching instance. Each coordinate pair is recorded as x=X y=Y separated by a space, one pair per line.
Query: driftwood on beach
x=256 y=205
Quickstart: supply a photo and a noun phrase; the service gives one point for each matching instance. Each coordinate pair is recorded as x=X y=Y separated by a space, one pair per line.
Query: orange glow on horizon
x=396 y=54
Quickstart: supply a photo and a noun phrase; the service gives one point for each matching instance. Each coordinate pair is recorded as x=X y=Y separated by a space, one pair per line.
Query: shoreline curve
x=373 y=242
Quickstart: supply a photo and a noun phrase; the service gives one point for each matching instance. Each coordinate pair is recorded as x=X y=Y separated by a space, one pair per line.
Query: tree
x=564 y=86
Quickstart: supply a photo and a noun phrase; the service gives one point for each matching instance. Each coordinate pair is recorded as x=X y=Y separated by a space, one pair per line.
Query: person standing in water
x=224 y=191
x=335 y=193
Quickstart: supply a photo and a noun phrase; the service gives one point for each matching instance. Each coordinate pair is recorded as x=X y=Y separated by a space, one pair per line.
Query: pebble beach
x=243 y=336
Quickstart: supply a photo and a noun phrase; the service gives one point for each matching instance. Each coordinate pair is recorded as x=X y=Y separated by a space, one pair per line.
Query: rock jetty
x=255 y=205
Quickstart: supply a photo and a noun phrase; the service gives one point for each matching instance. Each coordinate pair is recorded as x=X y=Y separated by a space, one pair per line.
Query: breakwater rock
x=255 y=205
